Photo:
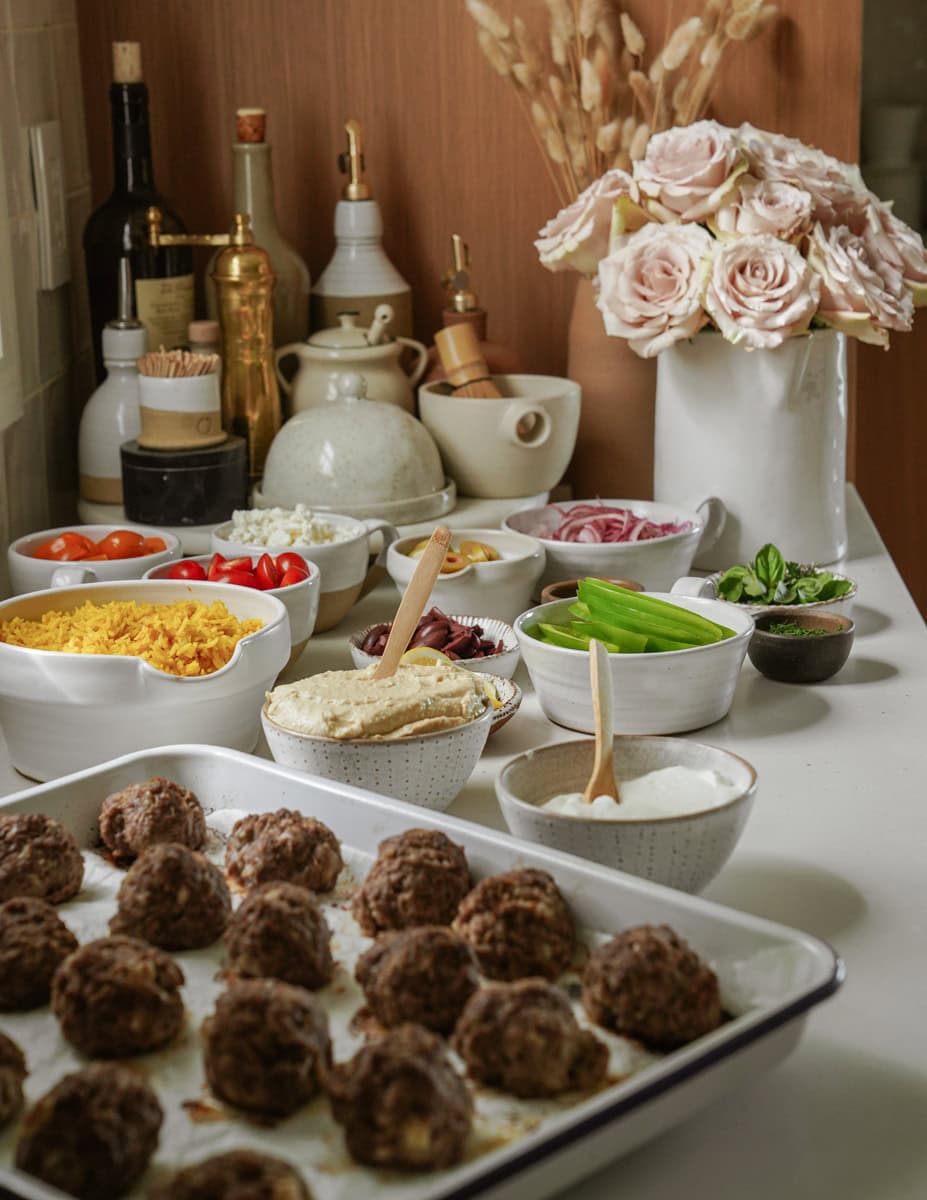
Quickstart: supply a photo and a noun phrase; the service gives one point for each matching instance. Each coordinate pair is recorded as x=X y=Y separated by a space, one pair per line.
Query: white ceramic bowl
x=346 y=570
x=682 y=852
x=657 y=563
x=63 y=712
x=666 y=692
x=301 y=600
x=502 y=588
x=428 y=770
x=707 y=586
x=502 y=664
x=28 y=574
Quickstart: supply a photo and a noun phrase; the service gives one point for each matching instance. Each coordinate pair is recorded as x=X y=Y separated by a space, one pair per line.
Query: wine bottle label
x=165 y=308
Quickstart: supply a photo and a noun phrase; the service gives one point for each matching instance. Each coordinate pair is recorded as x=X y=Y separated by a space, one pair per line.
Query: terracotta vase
x=614 y=448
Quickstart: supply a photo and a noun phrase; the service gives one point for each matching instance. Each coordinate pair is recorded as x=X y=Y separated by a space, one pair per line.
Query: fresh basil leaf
x=769 y=566
x=833 y=588
x=786 y=594
x=754 y=586
x=808 y=588
x=731 y=584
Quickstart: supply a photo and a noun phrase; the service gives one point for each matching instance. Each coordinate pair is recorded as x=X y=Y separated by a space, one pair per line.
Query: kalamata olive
x=434 y=635
x=376 y=636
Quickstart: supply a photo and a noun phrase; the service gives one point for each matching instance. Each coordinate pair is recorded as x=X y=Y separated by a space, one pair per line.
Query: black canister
x=184 y=487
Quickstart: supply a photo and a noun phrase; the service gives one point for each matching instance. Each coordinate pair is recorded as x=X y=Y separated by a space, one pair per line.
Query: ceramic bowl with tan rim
x=503 y=663
x=684 y=852
x=515 y=446
x=707 y=586
x=29 y=574
x=301 y=600
x=568 y=589
x=656 y=562
x=346 y=569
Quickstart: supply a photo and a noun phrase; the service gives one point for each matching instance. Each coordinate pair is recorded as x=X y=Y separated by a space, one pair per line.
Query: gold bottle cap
x=456 y=279
x=352 y=165
x=127 y=62
x=250 y=124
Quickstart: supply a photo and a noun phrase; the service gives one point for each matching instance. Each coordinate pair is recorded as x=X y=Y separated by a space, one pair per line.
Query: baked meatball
x=118 y=996
x=278 y=931
x=523 y=1038
x=93 y=1134
x=401 y=1102
x=12 y=1073
x=148 y=814
x=33 y=941
x=282 y=845
x=266 y=1047
x=174 y=898
x=236 y=1175
x=419 y=878
x=648 y=983
x=518 y=925
x=423 y=975
x=38 y=857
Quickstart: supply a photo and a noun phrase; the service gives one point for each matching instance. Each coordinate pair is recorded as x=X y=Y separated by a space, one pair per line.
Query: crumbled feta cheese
x=280 y=527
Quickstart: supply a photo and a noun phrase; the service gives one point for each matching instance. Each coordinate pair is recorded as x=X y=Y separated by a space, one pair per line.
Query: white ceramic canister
x=180 y=413
x=111 y=415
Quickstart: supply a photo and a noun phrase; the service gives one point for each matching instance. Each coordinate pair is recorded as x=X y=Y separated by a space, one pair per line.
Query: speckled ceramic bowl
x=428 y=770
x=682 y=852
x=503 y=664
x=707 y=588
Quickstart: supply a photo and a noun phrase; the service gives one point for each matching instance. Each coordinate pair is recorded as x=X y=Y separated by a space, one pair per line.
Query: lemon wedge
x=424 y=656
x=491 y=692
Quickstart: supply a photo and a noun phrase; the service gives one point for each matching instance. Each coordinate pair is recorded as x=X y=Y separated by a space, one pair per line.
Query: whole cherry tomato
x=123 y=543
x=74 y=545
x=294 y=575
x=267 y=574
x=186 y=570
x=154 y=545
x=290 y=559
x=241 y=578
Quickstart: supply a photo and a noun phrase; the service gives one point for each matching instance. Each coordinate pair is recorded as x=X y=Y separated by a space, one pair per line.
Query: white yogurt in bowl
x=666 y=792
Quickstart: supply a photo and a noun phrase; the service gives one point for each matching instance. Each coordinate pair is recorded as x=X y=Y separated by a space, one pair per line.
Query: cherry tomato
x=267 y=574
x=294 y=575
x=214 y=570
x=123 y=543
x=241 y=578
x=290 y=559
x=186 y=570
x=65 y=543
x=154 y=545
x=237 y=564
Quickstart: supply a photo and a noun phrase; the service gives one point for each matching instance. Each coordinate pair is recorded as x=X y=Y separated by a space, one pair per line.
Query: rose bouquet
x=751 y=233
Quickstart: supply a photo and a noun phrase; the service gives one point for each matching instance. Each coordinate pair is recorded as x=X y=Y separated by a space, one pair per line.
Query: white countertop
x=837 y=846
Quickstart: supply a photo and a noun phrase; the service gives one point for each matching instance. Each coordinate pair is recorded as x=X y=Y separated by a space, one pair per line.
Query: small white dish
x=707 y=587
x=502 y=664
x=684 y=852
x=29 y=574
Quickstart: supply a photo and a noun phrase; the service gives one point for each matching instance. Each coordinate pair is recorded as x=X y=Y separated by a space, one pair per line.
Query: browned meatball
x=282 y=845
x=648 y=983
x=518 y=925
x=236 y=1175
x=33 y=941
x=523 y=1038
x=401 y=1102
x=419 y=878
x=12 y=1073
x=174 y=898
x=279 y=932
x=266 y=1047
x=93 y=1134
x=423 y=975
x=118 y=996
x=148 y=814
x=38 y=857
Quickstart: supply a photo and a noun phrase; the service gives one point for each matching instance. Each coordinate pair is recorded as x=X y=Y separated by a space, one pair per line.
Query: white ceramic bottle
x=111 y=415
x=359 y=276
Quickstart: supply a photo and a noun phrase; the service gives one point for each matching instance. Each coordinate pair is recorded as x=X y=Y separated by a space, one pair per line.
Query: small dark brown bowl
x=566 y=589
x=791 y=658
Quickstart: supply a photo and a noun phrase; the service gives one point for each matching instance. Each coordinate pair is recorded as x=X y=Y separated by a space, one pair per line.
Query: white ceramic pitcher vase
x=764 y=430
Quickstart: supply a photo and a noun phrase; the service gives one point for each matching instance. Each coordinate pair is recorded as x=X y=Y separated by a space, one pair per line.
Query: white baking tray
x=771 y=976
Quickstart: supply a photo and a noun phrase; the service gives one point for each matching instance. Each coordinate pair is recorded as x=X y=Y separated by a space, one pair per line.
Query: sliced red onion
x=601 y=524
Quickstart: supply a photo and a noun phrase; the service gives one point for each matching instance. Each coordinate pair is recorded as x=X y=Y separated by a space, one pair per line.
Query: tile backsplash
x=40 y=81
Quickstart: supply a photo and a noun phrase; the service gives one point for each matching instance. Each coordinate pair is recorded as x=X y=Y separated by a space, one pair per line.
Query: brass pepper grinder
x=244 y=283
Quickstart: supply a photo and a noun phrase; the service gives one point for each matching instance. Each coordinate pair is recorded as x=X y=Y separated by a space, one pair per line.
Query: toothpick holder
x=182 y=413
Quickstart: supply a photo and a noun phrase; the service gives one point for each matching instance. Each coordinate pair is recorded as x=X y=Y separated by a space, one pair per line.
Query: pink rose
x=764 y=206
x=689 y=170
x=578 y=235
x=899 y=246
x=760 y=291
x=861 y=294
x=649 y=286
x=838 y=193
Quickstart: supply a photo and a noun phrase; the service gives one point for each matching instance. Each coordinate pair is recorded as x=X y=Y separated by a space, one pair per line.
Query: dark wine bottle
x=118 y=227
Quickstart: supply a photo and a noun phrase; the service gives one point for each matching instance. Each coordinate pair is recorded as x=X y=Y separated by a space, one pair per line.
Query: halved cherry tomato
x=186 y=570
x=294 y=575
x=214 y=570
x=123 y=543
x=290 y=559
x=154 y=545
x=237 y=564
x=267 y=574
x=65 y=543
x=241 y=578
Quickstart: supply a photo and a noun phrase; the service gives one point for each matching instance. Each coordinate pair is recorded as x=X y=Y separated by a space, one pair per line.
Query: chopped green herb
x=793 y=629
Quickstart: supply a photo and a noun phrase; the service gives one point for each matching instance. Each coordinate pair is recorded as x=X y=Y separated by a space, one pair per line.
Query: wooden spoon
x=602 y=780
x=413 y=602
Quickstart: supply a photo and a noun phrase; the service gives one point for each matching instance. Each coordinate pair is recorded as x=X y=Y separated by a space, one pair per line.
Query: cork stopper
x=203 y=332
x=127 y=62
x=250 y=124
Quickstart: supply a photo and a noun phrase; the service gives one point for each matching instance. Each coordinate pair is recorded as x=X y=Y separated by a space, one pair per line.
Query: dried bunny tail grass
x=561 y=19
x=494 y=52
x=680 y=94
x=605 y=32
x=590 y=86
x=699 y=95
x=628 y=126
x=558 y=49
x=588 y=17
x=622 y=161
x=488 y=19
x=745 y=6
x=763 y=19
x=711 y=51
x=608 y=138
x=643 y=92
x=540 y=117
x=681 y=43
x=556 y=147
x=557 y=90
x=638 y=147
x=603 y=68
x=633 y=38
x=656 y=72
x=528 y=48
x=524 y=77
x=739 y=25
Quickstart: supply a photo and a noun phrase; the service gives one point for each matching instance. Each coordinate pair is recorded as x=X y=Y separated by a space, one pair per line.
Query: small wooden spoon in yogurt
x=602 y=780
x=413 y=602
